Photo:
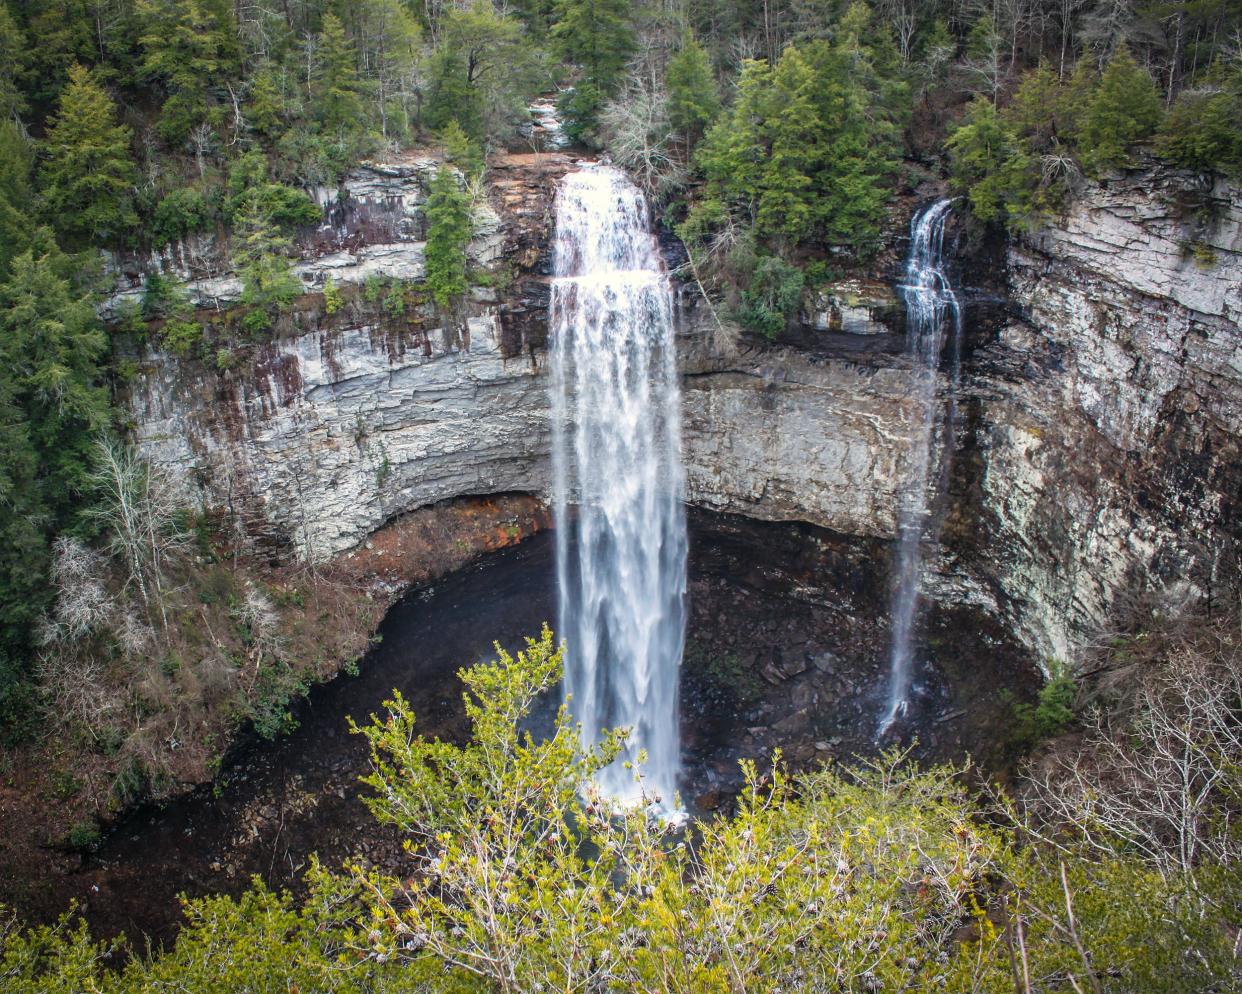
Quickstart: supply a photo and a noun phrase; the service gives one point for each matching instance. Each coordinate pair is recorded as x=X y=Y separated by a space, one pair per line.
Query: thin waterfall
x=931 y=309
x=616 y=404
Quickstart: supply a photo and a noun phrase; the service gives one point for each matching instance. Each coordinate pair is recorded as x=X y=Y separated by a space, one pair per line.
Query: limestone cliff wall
x=1108 y=413
x=1096 y=452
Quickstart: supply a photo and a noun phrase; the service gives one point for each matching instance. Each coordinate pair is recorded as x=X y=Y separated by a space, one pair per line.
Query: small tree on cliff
x=448 y=234
x=1124 y=109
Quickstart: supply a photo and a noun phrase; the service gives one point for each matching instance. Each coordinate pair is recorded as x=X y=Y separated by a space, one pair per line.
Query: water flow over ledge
x=931 y=307
x=621 y=561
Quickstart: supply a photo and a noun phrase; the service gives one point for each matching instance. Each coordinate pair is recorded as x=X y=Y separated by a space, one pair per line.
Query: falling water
x=931 y=305
x=621 y=565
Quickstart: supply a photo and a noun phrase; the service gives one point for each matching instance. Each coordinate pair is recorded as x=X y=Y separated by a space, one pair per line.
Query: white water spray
x=931 y=307
x=621 y=565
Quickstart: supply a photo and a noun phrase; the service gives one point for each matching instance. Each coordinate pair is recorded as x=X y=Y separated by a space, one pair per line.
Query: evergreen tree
x=14 y=56
x=338 y=90
x=188 y=45
x=16 y=196
x=693 y=100
x=598 y=36
x=261 y=252
x=1124 y=109
x=449 y=227
x=451 y=96
x=788 y=204
x=1203 y=129
x=978 y=151
x=88 y=174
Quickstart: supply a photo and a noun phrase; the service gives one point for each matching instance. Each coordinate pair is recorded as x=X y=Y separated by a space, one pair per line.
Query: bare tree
x=637 y=132
x=139 y=506
x=1158 y=770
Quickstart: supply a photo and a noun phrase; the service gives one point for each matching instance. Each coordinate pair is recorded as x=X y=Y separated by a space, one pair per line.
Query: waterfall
x=931 y=305
x=621 y=560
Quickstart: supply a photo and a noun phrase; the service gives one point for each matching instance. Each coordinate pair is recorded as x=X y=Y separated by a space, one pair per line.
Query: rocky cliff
x=1108 y=411
x=1097 y=452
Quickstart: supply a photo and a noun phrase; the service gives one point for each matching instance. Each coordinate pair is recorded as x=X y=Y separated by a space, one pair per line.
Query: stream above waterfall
x=787 y=643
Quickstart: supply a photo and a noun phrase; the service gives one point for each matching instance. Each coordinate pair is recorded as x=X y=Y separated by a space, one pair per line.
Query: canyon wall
x=1096 y=453
x=1109 y=409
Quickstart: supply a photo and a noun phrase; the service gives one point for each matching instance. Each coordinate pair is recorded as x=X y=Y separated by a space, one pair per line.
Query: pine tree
x=51 y=346
x=452 y=97
x=449 y=227
x=88 y=174
x=598 y=36
x=16 y=162
x=1124 y=109
x=14 y=55
x=261 y=253
x=788 y=205
x=693 y=100
x=188 y=45
x=338 y=90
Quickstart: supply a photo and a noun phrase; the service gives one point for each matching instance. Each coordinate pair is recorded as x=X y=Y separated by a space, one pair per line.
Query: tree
x=1124 y=109
x=52 y=347
x=449 y=227
x=693 y=100
x=87 y=175
x=499 y=62
x=189 y=46
x=137 y=507
x=389 y=37
x=337 y=88
x=636 y=130
x=260 y=250
x=16 y=194
x=13 y=58
x=451 y=97
x=598 y=36
x=1203 y=129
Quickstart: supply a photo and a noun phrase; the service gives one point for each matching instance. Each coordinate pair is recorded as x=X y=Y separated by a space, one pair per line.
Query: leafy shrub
x=1052 y=712
x=180 y=213
x=773 y=296
x=182 y=337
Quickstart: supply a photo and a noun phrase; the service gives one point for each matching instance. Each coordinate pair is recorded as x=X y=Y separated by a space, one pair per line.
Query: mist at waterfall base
x=932 y=309
x=620 y=525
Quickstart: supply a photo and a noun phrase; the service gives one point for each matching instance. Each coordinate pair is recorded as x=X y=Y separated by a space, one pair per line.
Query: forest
x=774 y=139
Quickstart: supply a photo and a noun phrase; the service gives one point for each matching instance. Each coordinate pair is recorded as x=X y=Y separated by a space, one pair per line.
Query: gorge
x=325 y=439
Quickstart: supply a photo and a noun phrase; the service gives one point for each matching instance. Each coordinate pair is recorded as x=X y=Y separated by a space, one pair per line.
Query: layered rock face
x=319 y=437
x=1108 y=416
x=1096 y=453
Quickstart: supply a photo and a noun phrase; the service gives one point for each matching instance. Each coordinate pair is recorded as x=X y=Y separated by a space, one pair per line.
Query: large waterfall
x=931 y=308
x=621 y=559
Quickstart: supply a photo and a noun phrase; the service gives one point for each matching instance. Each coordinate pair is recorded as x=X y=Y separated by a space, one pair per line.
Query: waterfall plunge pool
x=786 y=646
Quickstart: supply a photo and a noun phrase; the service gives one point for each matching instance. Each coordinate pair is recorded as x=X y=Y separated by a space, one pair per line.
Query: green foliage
x=809 y=149
x=598 y=36
x=332 y=299
x=1052 y=713
x=1123 y=109
x=1203 y=129
x=337 y=90
x=693 y=99
x=460 y=150
x=182 y=337
x=181 y=212
x=268 y=282
x=772 y=297
x=449 y=227
x=87 y=175
x=16 y=194
x=189 y=49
